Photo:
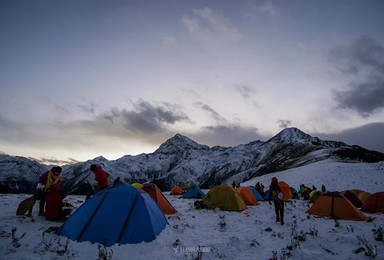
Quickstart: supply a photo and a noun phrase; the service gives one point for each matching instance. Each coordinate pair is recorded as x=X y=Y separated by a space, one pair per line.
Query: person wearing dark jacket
x=101 y=176
x=257 y=187
x=276 y=195
x=323 y=189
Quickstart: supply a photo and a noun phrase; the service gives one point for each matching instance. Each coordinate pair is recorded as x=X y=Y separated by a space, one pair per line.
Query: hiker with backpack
x=276 y=195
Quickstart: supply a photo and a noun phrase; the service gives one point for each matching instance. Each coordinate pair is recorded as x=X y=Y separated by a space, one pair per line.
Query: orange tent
x=247 y=195
x=177 y=190
x=156 y=194
x=364 y=196
x=334 y=205
x=286 y=190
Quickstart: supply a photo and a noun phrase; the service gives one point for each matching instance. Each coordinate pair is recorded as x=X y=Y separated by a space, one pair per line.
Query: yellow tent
x=224 y=197
x=138 y=185
x=363 y=196
x=356 y=192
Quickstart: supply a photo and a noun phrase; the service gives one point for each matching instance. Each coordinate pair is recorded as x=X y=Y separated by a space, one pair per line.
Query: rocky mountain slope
x=181 y=159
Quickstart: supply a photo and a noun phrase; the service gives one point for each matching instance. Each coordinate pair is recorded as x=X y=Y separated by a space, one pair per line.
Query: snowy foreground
x=209 y=234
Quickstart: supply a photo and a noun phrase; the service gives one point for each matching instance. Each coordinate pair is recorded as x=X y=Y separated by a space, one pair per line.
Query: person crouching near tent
x=186 y=186
x=54 y=203
x=276 y=195
x=45 y=181
x=101 y=176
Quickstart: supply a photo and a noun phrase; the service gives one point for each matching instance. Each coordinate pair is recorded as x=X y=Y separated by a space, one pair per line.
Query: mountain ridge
x=180 y=159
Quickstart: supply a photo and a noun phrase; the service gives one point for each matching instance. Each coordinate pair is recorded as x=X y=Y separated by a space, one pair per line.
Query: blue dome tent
x=193 y=192
x=266 y=195
x=256 y=193
x=123 y=214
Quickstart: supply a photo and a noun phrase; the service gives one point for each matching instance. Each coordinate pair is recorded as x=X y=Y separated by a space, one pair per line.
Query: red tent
x=374 y=203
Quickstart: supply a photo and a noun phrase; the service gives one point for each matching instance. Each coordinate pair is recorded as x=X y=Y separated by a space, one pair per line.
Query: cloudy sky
x=80 y=79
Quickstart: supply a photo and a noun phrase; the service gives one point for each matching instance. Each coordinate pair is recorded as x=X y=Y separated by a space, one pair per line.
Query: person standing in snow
x=54 y=203
x=117 y=182
x=101 y=176
x=257 y=187
x=323 y=189
x=276 y=195
x=44 y=183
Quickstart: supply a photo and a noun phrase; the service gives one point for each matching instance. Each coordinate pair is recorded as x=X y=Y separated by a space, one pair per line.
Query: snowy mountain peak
x=294 y=134
x=179 y=143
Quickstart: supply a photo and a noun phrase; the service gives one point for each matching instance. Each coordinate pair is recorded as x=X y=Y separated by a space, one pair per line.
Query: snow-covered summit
x=179 y=143
x=293 y=134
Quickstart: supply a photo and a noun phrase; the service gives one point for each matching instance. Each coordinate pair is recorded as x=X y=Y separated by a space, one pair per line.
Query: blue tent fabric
x=256 y=193
x=266 y=195
x=295 y=195
x=193 y=192
x=123 y=214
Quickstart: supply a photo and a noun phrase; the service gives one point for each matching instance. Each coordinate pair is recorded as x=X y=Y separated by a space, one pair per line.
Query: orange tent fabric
x=177 y=190
x=156 y=194
x=286 y=190
x=334 y=205
x=374 y=204
x=364 y=196
x=247 y=195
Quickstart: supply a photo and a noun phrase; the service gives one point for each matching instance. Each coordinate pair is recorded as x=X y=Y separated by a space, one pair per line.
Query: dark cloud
x=226 y=135
x=87 y=108
x=147 y=118
x=284 y=123
x=363 y=60
x=245 y=91
x=368 y=136
x=61 y=109
x=213 y=113
x=365 y=98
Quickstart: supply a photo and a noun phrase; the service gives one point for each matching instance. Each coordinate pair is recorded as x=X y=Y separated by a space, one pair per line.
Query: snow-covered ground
x=215 y=234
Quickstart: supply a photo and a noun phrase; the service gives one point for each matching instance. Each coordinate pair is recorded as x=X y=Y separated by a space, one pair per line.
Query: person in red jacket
x=101 y=176
x=45 y=180
x=54 y=203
